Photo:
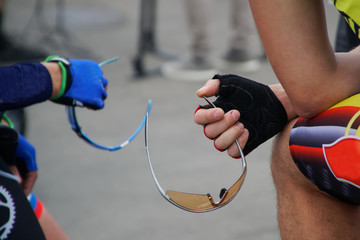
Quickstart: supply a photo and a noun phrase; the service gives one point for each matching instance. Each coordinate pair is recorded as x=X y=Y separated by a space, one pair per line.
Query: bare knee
x=304 y=211
x=283 y=167
x=284 y=170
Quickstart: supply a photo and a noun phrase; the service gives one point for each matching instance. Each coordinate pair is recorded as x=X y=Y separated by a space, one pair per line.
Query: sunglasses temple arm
x=115 y=148
x=161 y=190
x=108 y=61
x=158 y=186
x=70 y=111
x=243 y=160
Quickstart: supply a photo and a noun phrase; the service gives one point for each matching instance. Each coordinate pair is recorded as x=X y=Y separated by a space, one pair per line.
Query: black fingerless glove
x=261 y=112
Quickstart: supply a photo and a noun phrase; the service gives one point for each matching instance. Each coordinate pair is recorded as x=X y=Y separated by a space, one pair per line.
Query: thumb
x=210 y=88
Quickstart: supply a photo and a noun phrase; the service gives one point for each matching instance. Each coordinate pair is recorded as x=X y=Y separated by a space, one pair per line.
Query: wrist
x=59 y=69
x=56 y=77
x=284 y=99
x=5 y=120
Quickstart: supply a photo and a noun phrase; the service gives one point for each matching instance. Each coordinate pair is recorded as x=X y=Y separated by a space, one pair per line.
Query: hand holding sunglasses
x=197 y=203
x=82 y=81
x=261 y=112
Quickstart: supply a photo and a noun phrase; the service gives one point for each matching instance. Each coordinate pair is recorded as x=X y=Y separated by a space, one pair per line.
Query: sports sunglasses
x=197 y=203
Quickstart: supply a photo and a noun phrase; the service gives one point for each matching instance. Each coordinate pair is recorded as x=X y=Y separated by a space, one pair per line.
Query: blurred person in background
x=244 y=53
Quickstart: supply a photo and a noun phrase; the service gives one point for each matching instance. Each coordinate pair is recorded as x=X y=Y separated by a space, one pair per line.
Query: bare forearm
x=56 y=76
x=321 y=87
x=296 y=41
x=50 y=227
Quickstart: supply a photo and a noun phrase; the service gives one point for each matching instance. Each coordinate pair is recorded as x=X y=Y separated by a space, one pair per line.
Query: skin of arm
x=56 y=76
x=50 y=227
x=295 y=38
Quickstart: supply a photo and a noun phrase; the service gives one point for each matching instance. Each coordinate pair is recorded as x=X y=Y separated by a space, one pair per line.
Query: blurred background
x=96 y=194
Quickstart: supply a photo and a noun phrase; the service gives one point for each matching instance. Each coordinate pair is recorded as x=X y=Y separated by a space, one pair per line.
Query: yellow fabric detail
x=352 y=9
x=350 y=101
x=351 y=122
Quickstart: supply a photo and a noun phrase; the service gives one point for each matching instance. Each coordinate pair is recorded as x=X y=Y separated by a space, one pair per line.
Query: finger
x=95 y=104
x=14 y=169
x=215 y=129
x=29 y=181
x=105 y=82
x=104 y=93
x=100 y=104
x=210 y=88
x=233 y=150
x=206 y=116
x=15 y=172
x=227 y=138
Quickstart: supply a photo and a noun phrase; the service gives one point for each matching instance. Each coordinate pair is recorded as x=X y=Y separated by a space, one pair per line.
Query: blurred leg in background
x=197 y=64
x=244 y=52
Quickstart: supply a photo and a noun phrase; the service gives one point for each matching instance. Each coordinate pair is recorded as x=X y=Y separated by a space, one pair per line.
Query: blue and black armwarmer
x=24 y=84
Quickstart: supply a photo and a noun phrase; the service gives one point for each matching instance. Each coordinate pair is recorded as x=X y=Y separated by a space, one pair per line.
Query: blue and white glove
x=83 y=83
x=27 y=153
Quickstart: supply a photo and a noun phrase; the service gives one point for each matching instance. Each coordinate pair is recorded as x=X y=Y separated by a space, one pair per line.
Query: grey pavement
x=96 y=194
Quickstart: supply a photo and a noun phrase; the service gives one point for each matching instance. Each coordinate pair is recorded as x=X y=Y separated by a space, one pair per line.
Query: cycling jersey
x=350 y=9
x=17 y=218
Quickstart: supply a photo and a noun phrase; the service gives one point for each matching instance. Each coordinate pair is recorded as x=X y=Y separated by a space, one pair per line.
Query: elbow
x=305 y=112
x=309 y=109
x=310 y=102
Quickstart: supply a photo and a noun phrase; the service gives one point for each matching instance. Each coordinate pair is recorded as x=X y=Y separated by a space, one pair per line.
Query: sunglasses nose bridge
x=222 y=196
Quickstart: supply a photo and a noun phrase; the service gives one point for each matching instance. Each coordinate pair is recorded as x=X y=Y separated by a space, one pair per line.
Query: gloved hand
x=84 y=83
x=261 y=112
x=26 y=164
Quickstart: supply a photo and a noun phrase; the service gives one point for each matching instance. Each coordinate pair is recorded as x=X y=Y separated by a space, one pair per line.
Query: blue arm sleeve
x=24 y=84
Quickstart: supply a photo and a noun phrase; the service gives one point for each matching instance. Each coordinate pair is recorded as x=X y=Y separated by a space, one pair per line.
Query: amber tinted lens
x=204 y=202
x=190 y=201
